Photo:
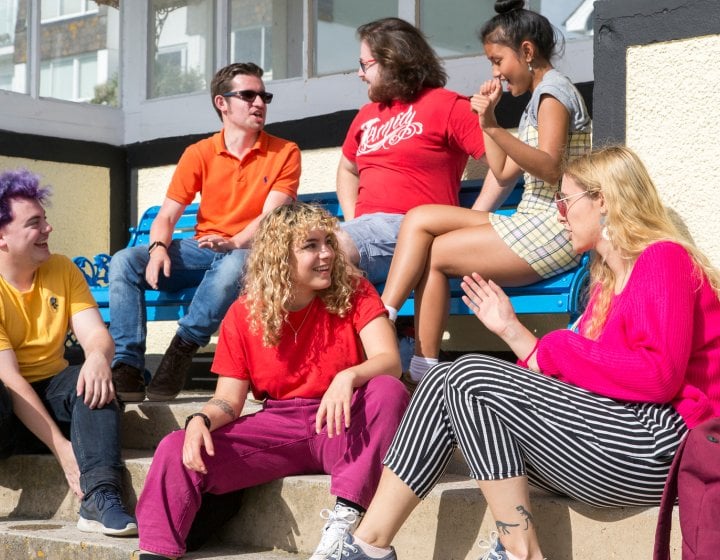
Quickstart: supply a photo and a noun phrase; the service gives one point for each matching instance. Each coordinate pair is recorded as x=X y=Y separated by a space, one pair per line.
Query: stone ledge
x=62 y=541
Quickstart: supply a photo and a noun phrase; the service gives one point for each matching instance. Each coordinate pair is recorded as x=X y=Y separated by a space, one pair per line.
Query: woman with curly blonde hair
x=595 y=414
x=312 y=339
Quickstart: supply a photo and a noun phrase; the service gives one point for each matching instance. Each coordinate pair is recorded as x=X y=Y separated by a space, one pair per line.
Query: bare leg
x=454 y=254
x=508 y=500
x=390 y=507
x=509 y=503
x=419 y=228
x=347 y=245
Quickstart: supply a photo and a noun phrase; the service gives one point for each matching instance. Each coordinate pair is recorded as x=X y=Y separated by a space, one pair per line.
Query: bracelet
x=156 y=244
x=524 y=363
x=202 y=415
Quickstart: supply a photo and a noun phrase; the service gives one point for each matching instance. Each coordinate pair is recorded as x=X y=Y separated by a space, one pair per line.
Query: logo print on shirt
x=54 y=303
x=399 y=128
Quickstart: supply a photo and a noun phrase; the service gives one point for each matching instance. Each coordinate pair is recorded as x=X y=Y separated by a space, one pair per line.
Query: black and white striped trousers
x=509 y=421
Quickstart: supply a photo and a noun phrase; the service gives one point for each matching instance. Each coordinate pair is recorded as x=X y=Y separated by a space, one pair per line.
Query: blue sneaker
x=103 y=512
x=348 y=550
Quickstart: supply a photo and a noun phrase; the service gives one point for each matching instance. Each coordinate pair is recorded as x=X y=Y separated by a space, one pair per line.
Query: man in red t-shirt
x=241 y=173
x=409 y=146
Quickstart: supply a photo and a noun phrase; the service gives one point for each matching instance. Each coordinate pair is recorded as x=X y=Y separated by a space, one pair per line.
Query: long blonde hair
x=269 y=277
x=635 y=219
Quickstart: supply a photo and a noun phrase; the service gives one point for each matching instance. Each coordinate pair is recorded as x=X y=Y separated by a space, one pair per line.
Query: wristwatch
x=201 y=415
x=156 y=244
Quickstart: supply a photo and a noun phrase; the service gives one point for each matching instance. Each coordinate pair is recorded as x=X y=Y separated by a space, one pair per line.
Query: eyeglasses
x=365 y=64
x=561 y=202
x=249 y=95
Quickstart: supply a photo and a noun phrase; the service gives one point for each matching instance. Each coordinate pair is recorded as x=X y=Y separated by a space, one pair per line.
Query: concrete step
x=285 y=515
x=55 y=540
x=144 y=424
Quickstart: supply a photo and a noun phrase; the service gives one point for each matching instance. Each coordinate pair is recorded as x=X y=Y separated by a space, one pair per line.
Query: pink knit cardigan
x=661 y=341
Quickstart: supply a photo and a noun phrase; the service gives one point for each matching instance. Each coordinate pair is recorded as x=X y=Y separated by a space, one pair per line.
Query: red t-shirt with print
x=415 y=153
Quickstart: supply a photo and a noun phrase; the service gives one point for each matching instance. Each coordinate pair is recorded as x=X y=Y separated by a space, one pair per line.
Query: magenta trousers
x=278 y=441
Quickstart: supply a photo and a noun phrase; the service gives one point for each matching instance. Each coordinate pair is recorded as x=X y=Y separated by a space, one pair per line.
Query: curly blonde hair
x=270 y=272
x=635 y=219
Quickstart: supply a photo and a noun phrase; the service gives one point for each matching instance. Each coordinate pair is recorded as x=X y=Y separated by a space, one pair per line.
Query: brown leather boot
x=169 y=379
x=129 y=383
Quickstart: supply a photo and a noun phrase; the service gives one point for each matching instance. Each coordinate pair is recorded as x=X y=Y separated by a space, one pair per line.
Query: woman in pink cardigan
x=594 y=413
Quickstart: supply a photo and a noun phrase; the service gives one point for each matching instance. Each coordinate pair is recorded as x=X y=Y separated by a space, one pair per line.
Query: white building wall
x=672 y=122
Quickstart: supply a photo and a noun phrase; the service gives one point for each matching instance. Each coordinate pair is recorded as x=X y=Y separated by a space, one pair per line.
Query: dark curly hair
x=407 y=62
x=513 y=24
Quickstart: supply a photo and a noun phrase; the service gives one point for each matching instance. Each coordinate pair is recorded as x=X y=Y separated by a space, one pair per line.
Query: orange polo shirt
x=233 y=191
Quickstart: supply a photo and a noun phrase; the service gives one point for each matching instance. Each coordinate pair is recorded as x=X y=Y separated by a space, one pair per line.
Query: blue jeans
x=217 y=277
x=375 y=236
x=94 y=433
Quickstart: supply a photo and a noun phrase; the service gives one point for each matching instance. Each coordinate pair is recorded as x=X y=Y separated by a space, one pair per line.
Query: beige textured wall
x=673 y=123
x=79 y=207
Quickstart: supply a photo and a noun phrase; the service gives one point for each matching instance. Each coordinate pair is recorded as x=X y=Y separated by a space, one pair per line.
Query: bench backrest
x=185 y=227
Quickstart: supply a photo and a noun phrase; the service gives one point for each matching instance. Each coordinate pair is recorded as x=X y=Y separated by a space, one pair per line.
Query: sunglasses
x=561 y=202
x=365 y=64
x=249 y=95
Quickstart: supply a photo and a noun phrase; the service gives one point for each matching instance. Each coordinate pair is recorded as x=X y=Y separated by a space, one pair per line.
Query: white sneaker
x=494 y=549
x=340 y=522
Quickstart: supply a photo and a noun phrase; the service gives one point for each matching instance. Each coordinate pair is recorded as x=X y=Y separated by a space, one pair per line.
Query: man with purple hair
x=71 y=410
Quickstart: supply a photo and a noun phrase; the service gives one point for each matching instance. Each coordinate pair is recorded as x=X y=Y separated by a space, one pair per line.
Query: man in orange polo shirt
x=241 y=173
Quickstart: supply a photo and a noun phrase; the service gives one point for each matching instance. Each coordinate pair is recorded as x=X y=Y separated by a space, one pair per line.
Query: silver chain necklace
x=294 y=330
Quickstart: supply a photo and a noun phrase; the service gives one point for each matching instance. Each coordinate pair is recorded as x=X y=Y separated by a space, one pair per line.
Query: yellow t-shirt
x=34 y=323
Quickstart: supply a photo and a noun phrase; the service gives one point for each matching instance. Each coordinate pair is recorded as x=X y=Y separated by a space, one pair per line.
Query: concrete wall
x=656 y=77
x=674 y=129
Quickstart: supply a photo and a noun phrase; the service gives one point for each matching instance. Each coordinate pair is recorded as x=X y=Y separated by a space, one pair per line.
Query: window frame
x=140 y=118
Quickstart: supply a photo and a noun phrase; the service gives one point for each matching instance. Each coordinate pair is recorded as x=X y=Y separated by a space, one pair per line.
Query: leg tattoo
x=503 y=528
x=526 y=515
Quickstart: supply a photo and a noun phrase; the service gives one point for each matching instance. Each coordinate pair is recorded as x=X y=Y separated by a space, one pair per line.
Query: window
x=336 y=49
x=56 y=9
x=70 y=50
x=13 y=46
x=72 y=78
x=452 y=27
x=181 y=38
x=268 y=33
x=80 y=57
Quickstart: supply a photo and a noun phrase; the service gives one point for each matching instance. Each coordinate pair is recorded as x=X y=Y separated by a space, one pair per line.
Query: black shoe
x=169 y=379
x=129 y=383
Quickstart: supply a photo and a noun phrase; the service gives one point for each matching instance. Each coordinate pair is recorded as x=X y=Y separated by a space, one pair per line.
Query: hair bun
x=505 y=6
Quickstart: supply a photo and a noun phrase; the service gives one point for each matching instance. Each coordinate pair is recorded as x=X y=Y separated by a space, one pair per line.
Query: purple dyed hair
x=20 y=183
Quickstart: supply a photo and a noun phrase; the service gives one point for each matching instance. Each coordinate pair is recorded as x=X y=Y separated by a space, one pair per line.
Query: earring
x=530 y=67
x=604 y=232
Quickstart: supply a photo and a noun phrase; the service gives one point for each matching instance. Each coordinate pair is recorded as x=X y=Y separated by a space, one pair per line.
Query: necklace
x=294 y=330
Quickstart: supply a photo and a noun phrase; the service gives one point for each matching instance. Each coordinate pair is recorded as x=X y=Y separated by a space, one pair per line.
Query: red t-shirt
x=326 y=344
x=409 y=154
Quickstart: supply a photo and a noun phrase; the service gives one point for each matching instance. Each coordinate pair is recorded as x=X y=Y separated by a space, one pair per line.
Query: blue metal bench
x=561 y=294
